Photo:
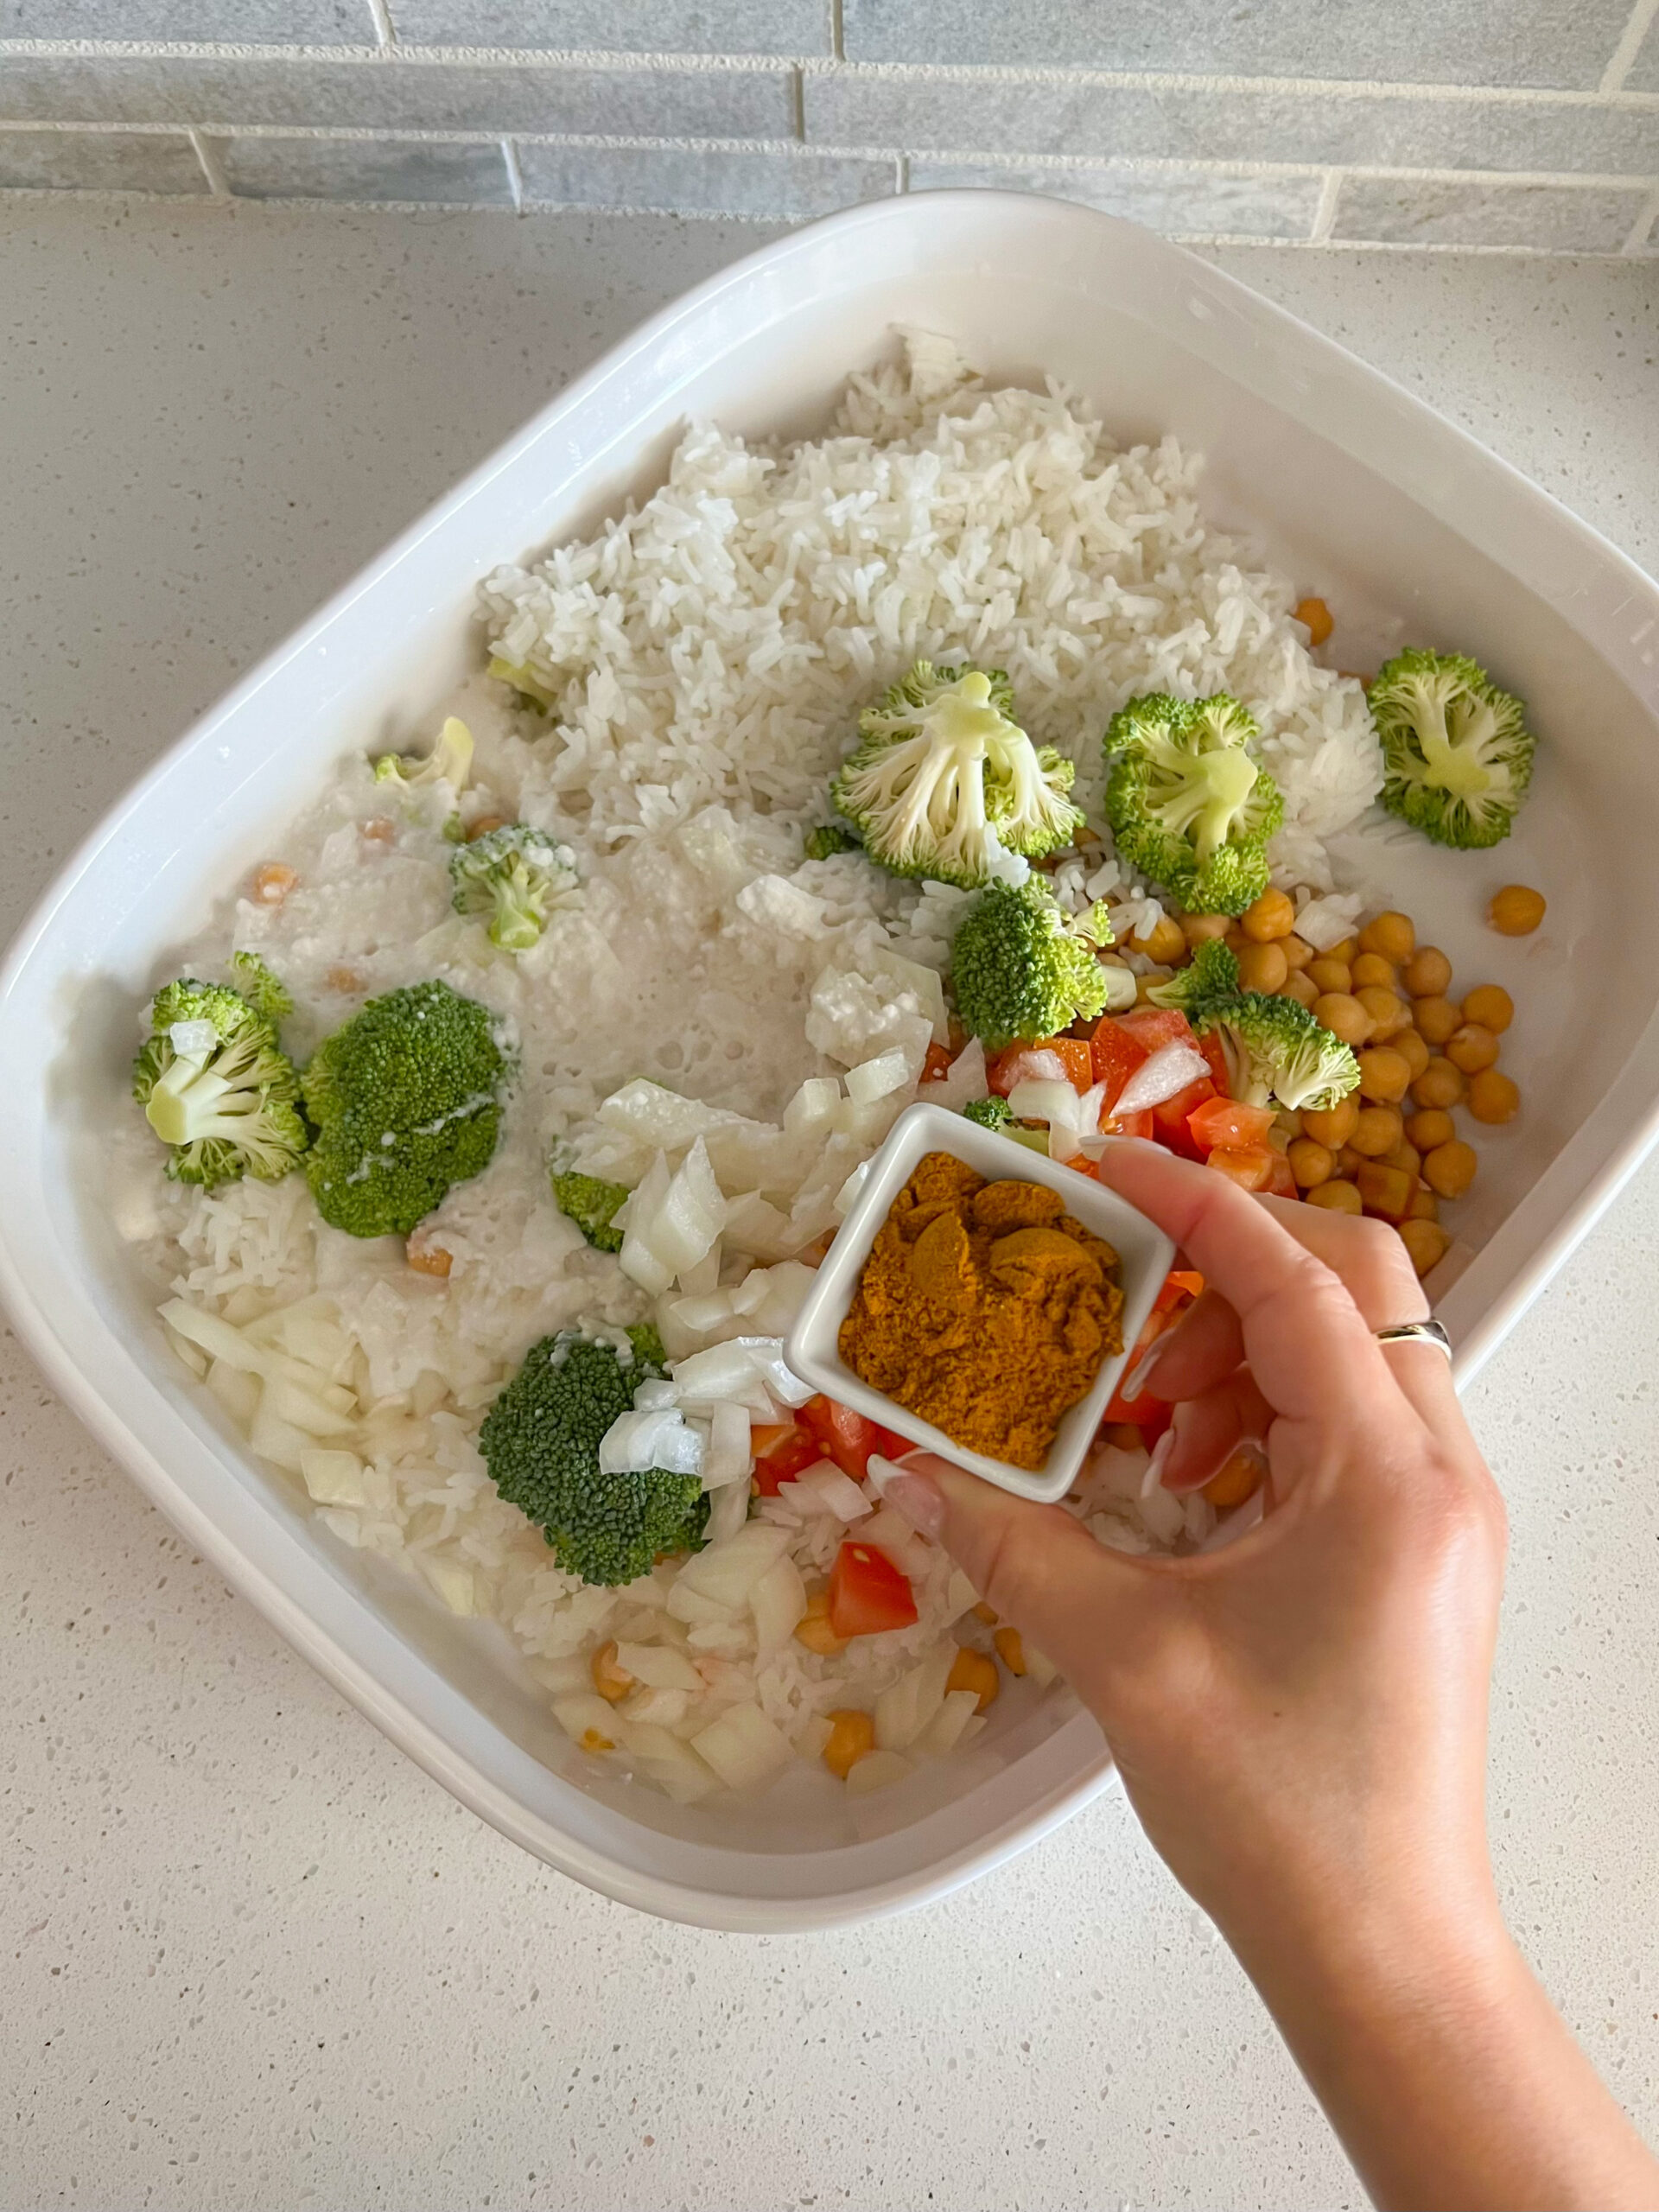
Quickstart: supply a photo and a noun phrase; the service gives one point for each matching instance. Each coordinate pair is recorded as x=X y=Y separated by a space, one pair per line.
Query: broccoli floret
x=451 y=761
x=989 y=1113
x=1189 y=805
x=516 y=875
x=540 y=1441
x=532 y=692
x=1211 y=975
x=830 y=838
x=1456 y=751
x=1276 y=1050
x=943 y=781
x=406 y=1100
x=215 y=1088
x=647 y=1341
x=1017 y=971
x=255 y=983
x=592 y=1204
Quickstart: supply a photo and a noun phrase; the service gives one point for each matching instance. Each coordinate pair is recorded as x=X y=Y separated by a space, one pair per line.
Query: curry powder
x=984 y=1309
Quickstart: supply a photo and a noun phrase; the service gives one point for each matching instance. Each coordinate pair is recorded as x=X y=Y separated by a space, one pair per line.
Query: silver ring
x=1415 y=1332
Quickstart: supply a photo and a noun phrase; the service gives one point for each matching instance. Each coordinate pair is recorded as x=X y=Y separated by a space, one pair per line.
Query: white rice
x=708 y=653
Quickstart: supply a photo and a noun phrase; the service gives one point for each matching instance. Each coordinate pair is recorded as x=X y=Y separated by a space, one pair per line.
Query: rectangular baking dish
x=1410 y=529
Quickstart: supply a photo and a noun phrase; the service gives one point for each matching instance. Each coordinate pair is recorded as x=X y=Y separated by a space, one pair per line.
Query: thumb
x=1034 y=1565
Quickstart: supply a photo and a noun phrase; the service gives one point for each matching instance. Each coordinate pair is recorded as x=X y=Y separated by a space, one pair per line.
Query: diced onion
x=637 y=1218
x=767 y=1354
x=332 y=1478
x=903 y=1711
x=877 y=1078
x=850 y=1189
x=658 y=1665
x=729 y=1458
x=193 y=1040
x=812 y=1109
x=778 y=1602
x=672 y=1765
x=745 y=1749
x=964 y=1080
x=585 y=1711
x=636 y=1442
x=1169 y=1069
x=728 y=1513
x=877 y=1770
x=837 y=1493
x=944 y=1731
x=726 y=1573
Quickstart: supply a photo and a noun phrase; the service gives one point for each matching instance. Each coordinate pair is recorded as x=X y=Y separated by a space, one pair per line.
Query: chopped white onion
x=768 y=1355
x=944 y=1731
x=877 y=1770
x=1043 y=1100
x=891 y=1533
x=193 y=1040
x=672 y=1765
x=849 y=1190
x=902 y=1712
x=963 y=1081
x=812 y=1109
x=691 y=1215
x=1121 y=987
x=725 y=1573
x=745 y=1749
x=332 y=1478
x=585 y=1711
x=836 y=1493
x=653 y=1394
x=728 y=1456
x=636 y=1218
x=727 y=1514
x=877 y=1078
x=662 y=1438
x=658 y=1665
x=704 y=1315
x=778 y=1601
x=1169 y=1069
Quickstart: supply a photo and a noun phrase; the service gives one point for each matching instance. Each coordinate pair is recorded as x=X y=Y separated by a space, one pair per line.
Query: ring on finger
x=1415 y=1332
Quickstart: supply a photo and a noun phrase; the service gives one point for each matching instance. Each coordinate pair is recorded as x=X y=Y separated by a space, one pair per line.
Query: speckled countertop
x=252 y=1957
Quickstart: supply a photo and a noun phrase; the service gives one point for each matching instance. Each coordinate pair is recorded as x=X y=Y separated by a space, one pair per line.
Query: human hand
x=1300 y=1718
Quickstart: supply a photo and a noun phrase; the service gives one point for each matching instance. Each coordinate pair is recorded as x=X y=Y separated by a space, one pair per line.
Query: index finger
x=1306 y=1341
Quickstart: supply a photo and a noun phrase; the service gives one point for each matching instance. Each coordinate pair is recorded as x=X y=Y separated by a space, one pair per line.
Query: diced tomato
x=867 y=1593
x=937 y=1065
x=1179 y=1284
x=1115 y=1055
x=1250 y=1165
x=849 y=1438
x=1281 y=1184
x=1210 y=1046
x=1129 y=1125
x=1170 y=1120
x=1153 y=1026
x=1014 y=1064
x=781 y=1450
x=1225 y=1121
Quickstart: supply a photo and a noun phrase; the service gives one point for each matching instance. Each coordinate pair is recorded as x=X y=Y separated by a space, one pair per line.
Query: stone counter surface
x=250 y=1957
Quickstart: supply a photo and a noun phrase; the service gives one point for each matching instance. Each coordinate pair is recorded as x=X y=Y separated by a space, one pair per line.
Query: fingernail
x=920 y=1498
x=1136 y=1381
x=1159 y=1461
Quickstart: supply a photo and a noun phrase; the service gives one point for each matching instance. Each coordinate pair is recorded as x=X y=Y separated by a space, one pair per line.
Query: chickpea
x=1516 y=911
x=1377 y=1131
x=1372 y=967
x=1332 y=1126
x=1342 y=1016
x=1405 y=1154
x=1143 y=984
x=988 y=1614
x=1384 y=1075
x=813 y=1629
x=1262 y=967
x=1412 y=1050
x=380 y=830
x=1297 y=951
x=1234 y=1480
x=1011 y=1650
x=1392 y=935
x=1439 y=1084
x=1349 y=1163
x=1195 y=928
x=1272 y=915
x=1330 y=974
x=1471 y=1048
x=1315 y=618
x=1492 y=1097
x=852 y=1737
x=484 y=825
x=1428 y=973
x=1435 y=1019
x=1340 y=1198
x=1426 y=1243
x=976 y=1671
x=272 y=882
x=427 y=1259
x=613 y=1682
x=1386 y=1011
x=1164 y=942
x=1450 y=1168
x=1311 y=1163
x=345 y=981
x=1385 y=1192
x=1235 y=939
x=1430 y=1127
x=1424 y=1206
x=1348 y=950
x=1491 y=1005
x=1298 y=988
x=1286 y=1123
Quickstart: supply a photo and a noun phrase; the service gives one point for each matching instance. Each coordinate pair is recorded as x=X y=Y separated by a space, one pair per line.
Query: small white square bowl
x=1145 y=1257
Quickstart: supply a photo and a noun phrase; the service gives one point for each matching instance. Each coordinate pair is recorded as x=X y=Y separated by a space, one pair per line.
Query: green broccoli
x=451 y=761
x=540 y=1441
x=1276 y=1050
x=515 y=875
x=829 y=838
x=254 y=981
x=1211 y=975
x=647 y=1341
x=532 y=692
x=943 y=780
x=1017 y=971
x=1456 y=751
x=1190 y=806
x=406 y=1100
x=215 y=1088
x=592 y=1204
x=989 y=1113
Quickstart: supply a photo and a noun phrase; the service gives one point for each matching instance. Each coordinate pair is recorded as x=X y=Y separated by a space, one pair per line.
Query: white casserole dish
x=1408 y=527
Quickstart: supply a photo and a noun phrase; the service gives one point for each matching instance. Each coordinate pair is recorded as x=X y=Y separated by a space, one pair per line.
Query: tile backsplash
x=1511 y=125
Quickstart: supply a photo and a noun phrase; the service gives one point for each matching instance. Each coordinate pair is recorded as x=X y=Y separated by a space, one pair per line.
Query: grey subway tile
x=223 y=91
x=98 y=161
x=1182 y=200
x=687 y=182
x=1158 y=122
x=439 y=170
x=226 y=22
x=1564 y=44
x=637 y=27
x=1424 y=211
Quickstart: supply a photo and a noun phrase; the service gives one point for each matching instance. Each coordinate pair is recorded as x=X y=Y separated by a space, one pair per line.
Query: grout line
x=1630 y=45
x=901 y=173
x=797 y=103
x=515 y=179
x=740 y=64
x=837 y=31
x=1325 y=214
x=213 y=167
x=385 y=37
x=1644 y=227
